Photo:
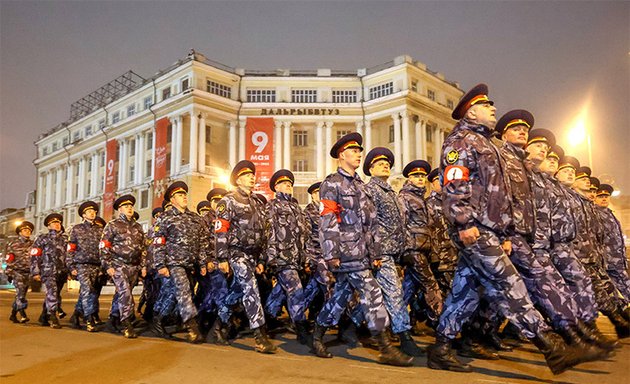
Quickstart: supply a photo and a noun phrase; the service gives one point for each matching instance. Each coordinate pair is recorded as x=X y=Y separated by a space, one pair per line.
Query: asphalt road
x=34 y=354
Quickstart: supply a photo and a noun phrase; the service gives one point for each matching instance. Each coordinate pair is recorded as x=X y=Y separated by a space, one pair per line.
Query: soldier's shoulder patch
x=221 y=206
x=156 y=228
x=452 y=156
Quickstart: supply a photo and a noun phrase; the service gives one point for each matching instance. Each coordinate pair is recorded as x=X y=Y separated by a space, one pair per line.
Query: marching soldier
x=18 y=269
x=151 y=282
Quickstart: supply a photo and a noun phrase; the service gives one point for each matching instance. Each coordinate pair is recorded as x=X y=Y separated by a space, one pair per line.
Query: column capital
x=404 y=113
x=395 y=116
x=278 y=123
x=358 y=124
x=286 y=124
x=241 y=123
x=328 y=123
x=320 y=124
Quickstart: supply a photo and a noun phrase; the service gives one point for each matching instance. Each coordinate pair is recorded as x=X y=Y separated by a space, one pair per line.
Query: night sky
x=552 y=58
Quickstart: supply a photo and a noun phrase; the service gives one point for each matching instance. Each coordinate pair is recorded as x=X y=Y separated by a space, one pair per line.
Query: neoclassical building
x=190 y=122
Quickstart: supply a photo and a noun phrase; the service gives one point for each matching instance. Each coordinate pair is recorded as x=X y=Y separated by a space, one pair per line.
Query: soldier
x=592 y=191
x=287 y=252
x=480 y=217
x=350 y=242
x=151 y=283
x=240 y=235
x=18 y=269
x=48 y=265
x=181 y=241
x=123 y=252
x=83 y=262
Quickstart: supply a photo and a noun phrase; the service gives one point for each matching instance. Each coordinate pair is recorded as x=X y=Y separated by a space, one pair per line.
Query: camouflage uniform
x=152 y=283
x=475 y=190
x=122 y=248
x=319 y=283
x=48 y=261
x=348 y=233
x=616 y=262
x=213 y=287
x=239 y=240
x=83 y=256
x=443 y=252
x=18 y=269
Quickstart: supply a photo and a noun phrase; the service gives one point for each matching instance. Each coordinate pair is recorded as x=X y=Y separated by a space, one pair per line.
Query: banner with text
x=111 y=174
x=259 y=150
x=159 y=161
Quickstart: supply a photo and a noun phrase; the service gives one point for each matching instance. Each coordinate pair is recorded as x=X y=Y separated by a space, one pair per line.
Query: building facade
x=400 y=105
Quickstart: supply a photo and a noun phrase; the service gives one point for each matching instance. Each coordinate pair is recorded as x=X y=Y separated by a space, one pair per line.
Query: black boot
x=54 y=321
x=318 y=342
x=441 y=357
x=91 y=324
x=475 y=350
x=43 y=318
x=573 y=339
x=626 y=314
x=301 y=328
x=589 y=332
x=218 y=333
x=97 y=319
x=60 y=313
x=13 y=316
x=114 y=325
x=193 y=336
x=389 y=354
x=493 y=340
x=621 y=325
x=263 y=345
x=512 y=335
x=158 y=327
x=75 y=320
x=129 y=332
x=408 y=345
x=558 y=355
x=24 y=318
x=348 y=333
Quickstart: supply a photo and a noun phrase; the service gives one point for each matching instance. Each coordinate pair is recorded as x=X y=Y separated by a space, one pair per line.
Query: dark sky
x=548 y=57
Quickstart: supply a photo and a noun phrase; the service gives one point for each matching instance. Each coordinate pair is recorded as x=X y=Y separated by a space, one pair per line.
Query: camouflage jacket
x=442 y=249
x=312 y=215
x=123 y=243
x=288 y=233
x=209 y=218
x=585 y=242
x=240 y=225
x=347 y=226
x=49 y=254
x=415 y=219
x=614 y=247
x=542 y=195
x=388 y=217
x=523 y=210
x=181 y=240
x=18 y=255
x=563 y=221
x=83 y=245
x=149 y=259
x=475 y=182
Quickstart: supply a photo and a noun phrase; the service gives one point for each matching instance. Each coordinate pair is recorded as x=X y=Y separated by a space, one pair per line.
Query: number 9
x=260 y=140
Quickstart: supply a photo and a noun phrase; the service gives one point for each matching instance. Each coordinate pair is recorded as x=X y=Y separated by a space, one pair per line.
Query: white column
x=368 y=134
x=406 y=140
x=40 y=193
x=232 y=142
x=320 y=152
x=241 y=139
x=139 y=176
x=397 y=139
x=194 y=137
x=94 y=175
x=437 y=146
x=58 y=198
x=48 y=191
x=329 y=159
x=82 y=183
x=180 y=143
x=201 y=158
x=359 y=129
x=420 y=138
x=122 y=164
x=173 y=144
x=287 y=145
x=69 y=182
x=277 y=144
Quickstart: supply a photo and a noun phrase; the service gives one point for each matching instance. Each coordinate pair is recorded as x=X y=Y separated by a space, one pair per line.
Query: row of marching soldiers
x=512 y=231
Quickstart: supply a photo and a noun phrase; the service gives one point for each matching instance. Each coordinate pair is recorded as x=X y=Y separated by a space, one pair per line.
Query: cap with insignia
x=243 y=167
x=24 y=224
x=417 y=167
x=351 y=140
x=582 y=172
x=569 y=161
x=166 y=204
x=136 y=215
x=541 y=135
x=433 y=175
x=477 y=95
x=280 y=176
x=156 y=211
x=176 y=187
x=514 y=118
x=53 y=218
x=100 y=221
x=203 y=206
x=314 y=188
x=605 y=190
x=594 y=184
x=124 y=200
x=376 y=154
x=557 y=152
x=87 y=205
x=216 y=193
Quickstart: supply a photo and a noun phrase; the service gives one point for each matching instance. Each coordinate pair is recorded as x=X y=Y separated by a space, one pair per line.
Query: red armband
x=330 y=206
x=455 y=172
x=221 y=226
x=10 y=257
x=159 y=240
x=104 y=244
x=71 y=247
x=36 y=252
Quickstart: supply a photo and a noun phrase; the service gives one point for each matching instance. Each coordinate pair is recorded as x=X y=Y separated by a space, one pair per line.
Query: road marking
x=383 y=369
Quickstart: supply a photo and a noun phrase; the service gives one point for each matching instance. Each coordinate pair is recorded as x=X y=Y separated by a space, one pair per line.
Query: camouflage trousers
x=577 y=279
x=166 y=302
x=289 y=287
x=244 y=287
x=391 y=287
x=125 y=279
x=416 y=294
x=485 y=265
x=89 y=291
x=370 y=299
x=21 y=283
x=620 y=279
x=314 y=288
x=608 y=299
x=212 y=289
x=445 y=281
x=182 y=281
x=53 y=284
x=150 y=291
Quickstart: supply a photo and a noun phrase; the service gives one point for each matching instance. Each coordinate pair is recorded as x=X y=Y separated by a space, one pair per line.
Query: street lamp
x=578 y=133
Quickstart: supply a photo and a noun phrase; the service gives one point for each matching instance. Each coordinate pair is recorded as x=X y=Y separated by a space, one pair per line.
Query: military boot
x=558 y=355
x=91 y=324
x=13 y=316
x=113 y=324
x=348 y=333
x=54 y=321
x=193 y=335
x=301 y=328
x=319 y=348
x=621 y=325
x=218 y=333
x=626 y=314
x=469 y=348
x=60 y=313
x=408 y=345
x=263 y=345
x=589 y=332
x=440 y=356
x=43 y=318
x=129 y=332
x=389 y=354
x=573 y=339
x=97 y=319
x=158 y=326
x=75 y=320
x=492 y=339
x=512 y=335
x=24 y=318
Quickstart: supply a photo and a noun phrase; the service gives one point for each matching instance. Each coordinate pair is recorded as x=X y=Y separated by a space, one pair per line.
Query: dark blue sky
x=547 y=57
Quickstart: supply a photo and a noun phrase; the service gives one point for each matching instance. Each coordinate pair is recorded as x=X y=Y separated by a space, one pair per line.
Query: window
x=341 y=133
x=144 y=199
x=261 y=95
x=347 y=96
x=132 y=147
x=300 y=139
x=450 y=104
x=88 y=131
x=131 y=110
x=132 y=173
x=76 y=135
x=148 y=168
x=149 y=141
x=392 y=134
x=429 y=133
x=55 y=146
x=116 y=117
x=218 y=89
x=208 y=134
x=166 y=93
x=300 y=165
x=414 y=86
x=64 y=141
x=185 y=83
x=148 y=101
x=101 y=160
x=101 y=124
x=431 y=94
x=45 y=151
x=381 y=90
x=303 y=95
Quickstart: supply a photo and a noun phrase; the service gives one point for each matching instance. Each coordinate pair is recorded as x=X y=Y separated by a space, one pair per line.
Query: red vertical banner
x=259 y=150
x=111 y=149
x=159 y=161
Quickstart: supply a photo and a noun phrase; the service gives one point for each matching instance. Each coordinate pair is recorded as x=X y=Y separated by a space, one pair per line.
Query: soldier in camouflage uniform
x=84 y=263
x=48 y=265
x=350 y=245
x=239 y=229
x=181 y=241
x=151 y=282
x=123 y=252
x=287 y=251
x=18 y=270
x=480 y=218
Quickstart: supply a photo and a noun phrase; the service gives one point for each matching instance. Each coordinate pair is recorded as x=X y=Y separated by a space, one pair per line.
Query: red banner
x=159 y=161
x=111 y=174
x=259 y=150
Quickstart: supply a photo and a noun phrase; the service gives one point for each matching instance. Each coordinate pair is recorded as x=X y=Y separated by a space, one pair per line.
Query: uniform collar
x=284 y=196
x=242 y=192
x=345 y=173
x=381 y=183
x=464 y=124
x=518 y=151
x=123 y=217
x=23 y=239
x=412 y=188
